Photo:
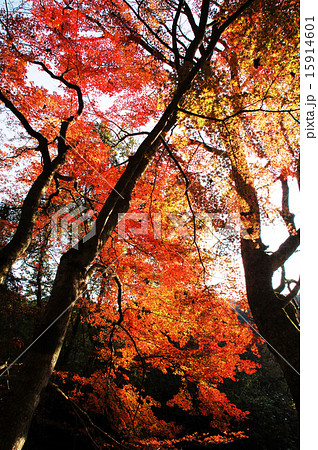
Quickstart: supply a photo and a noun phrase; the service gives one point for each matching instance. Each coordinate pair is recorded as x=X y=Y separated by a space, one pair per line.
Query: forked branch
x=285 y=251
x=43 y=143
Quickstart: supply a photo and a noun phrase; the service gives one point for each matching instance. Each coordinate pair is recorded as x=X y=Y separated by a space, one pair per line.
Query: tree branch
x=292 y=294
x=200 y=31
x=208 y=148
x=282 y=283
x=201 y=116
x=23 y=234
x=127 y=136
x=150 y=30
x=119 y=298
x=174 y=35
x=78 y=408
x=67 y=84
x=190 y=18
x=286 y=249
x=231 y=116
x=43 y=143
x=135 y=37
x=59 y=176
x=287 y=216
x=235 y=15
x=189 y=202
x=63 y=146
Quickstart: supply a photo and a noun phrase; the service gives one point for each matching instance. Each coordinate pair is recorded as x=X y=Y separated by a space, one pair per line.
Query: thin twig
x=189 y=203
x=78 y=408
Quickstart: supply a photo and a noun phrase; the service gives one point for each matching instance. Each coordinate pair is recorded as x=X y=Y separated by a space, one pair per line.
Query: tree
x=106 y=49
x=261 y=122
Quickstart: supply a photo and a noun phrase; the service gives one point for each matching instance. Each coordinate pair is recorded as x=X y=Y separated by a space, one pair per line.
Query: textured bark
x=23 y=234
x=18 y=408
x=274 y=323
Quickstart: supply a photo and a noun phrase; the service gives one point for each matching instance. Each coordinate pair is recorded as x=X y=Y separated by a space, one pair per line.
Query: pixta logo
x=178 y=225
x=69 y=223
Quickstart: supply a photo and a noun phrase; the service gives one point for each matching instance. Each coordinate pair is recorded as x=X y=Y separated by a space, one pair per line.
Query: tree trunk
x=21 y=239
x=68 y=347
x=18 y=408
x=273 y=323
x=275 y=326
x=72 y=275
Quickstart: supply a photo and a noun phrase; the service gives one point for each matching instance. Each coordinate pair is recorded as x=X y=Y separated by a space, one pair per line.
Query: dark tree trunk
x=18 y=408
x=23 y=234
x=69 y=345
x=278 y=327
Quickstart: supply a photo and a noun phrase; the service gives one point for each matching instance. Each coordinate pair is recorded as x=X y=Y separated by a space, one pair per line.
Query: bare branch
x=200 y=31
x=282 y=283
x=64 y=177
x=190 y=17
x=287 y=216
x=174 y=35
x=201 y=116
x=290 y=113
x=292 y=294
x=209 y=148
x=189 y=202
x=287 y=248
x=119 y=298
x=241 y=111
x=43 y=143
x=150 y=30
x=78 y=408
x=67 y=84
x=128 y=135
x=135 y=36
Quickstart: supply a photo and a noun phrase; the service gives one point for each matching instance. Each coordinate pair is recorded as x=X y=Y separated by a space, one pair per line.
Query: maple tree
x=260 y=123
x=222 y=106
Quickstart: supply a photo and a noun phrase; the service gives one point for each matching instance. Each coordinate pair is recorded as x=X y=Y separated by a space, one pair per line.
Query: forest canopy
x=149 y=228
